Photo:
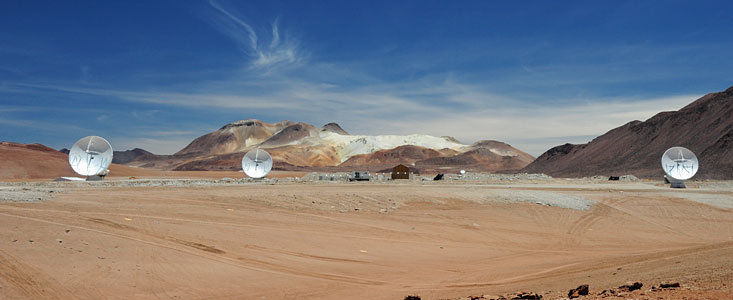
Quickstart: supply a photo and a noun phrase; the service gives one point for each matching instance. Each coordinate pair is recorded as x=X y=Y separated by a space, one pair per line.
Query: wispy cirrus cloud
x=38 y=125
x=174 y=132
x=281 y=51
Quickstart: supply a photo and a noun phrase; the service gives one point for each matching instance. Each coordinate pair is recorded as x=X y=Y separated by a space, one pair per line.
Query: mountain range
x=299 y=146
x=705 y=126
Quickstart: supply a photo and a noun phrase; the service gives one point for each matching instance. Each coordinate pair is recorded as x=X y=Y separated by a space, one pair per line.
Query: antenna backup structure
x=91 y=156
x=257 y=163
x=680 y=164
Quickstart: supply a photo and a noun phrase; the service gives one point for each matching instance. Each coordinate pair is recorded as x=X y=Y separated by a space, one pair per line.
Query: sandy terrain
x=295 y=240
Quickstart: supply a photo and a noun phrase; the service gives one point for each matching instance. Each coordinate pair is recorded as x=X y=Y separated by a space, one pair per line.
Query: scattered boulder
x=526 y=295
x=490 y=297
x=629 y=178
x=581 y=290
x=631 y=286
x=669 y=284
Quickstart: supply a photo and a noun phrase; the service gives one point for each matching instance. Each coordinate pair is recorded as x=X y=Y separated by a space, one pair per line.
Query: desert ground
x=156 y=237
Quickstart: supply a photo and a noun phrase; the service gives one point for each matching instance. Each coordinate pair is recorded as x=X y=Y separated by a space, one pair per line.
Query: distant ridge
x=407 y=154
x=123 y=157
x=705 y=126
x=486 y=155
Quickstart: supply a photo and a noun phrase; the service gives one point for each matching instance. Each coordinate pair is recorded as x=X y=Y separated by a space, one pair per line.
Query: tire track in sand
x=290 y=229
x=582 y=224
x=212 y=253
x=578 y=267
x=28 y=282
x=261 y=265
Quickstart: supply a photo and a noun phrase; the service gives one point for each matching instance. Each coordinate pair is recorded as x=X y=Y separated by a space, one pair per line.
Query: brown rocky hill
x=290 y=134
x=30 y=161
x=705 y=126
x=234 y=137
x=36 y=161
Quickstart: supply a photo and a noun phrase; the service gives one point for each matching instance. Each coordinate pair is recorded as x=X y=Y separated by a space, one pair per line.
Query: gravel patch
x=471 y=176
x=627 y=177
x=717 y=200
x=21 y=194
x=543 y=198
x=716 y=185
x=146 y=183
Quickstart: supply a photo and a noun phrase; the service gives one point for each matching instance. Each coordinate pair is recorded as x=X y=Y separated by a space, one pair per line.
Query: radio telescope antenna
x=679 y=164
x=257 y=163
x=91 y=156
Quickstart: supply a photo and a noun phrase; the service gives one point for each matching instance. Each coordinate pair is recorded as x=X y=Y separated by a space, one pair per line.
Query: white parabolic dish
x=90 y=156
x=679 y=163
x=257 y=163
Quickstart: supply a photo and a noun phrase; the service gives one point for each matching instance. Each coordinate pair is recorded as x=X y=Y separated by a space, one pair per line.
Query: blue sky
x=534 y=74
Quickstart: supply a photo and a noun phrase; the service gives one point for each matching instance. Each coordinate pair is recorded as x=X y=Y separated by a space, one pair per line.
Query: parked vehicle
x=359 y=176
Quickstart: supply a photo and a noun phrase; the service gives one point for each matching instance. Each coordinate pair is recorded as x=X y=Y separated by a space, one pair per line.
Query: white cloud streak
x=173 y=132
x=275 y=34
x=280 y=52
x=234 y=31
x=26 y=124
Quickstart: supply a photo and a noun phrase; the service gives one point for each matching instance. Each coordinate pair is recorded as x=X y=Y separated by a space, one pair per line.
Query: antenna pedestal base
x=678 y=185
x=95 y=178
x=675 y=183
